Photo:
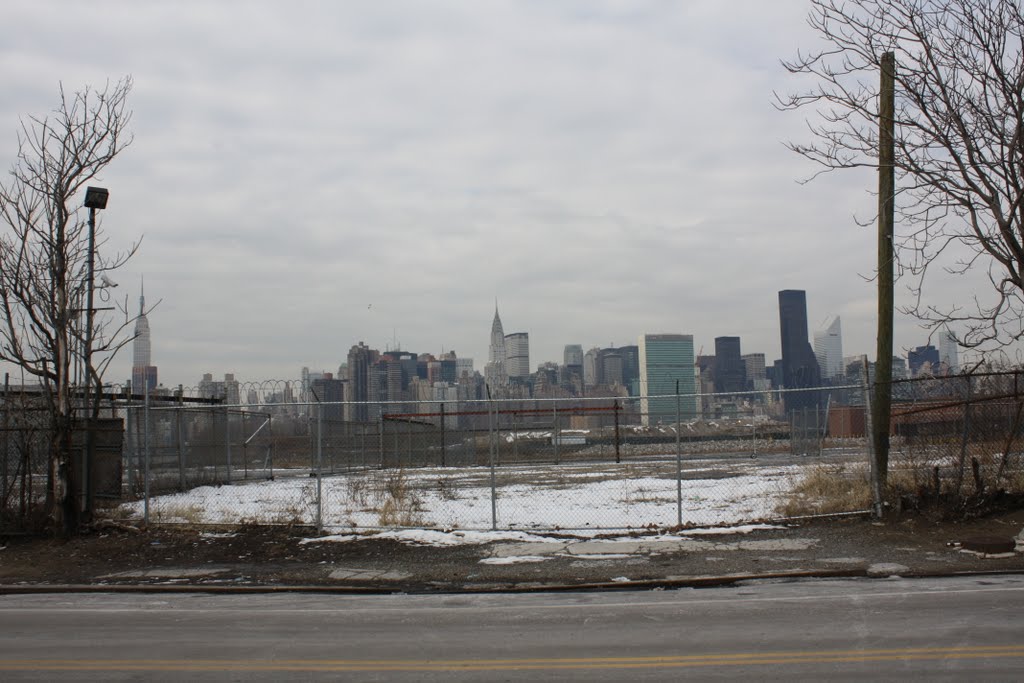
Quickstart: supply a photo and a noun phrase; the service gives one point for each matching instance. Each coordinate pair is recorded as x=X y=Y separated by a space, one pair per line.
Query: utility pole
x=882 y=404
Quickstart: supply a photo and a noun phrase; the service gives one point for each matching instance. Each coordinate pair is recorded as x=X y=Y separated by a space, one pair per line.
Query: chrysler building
x=494 y=372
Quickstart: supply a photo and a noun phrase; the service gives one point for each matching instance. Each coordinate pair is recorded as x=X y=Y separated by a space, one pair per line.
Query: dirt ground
x=277 y=556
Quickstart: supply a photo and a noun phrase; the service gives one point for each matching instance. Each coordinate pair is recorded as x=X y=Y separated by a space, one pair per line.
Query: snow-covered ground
x=576 y=497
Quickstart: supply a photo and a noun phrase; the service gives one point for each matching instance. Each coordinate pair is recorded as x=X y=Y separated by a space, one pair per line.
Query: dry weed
x=826 y=489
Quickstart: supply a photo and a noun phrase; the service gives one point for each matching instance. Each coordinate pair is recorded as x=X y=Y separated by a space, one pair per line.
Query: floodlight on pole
x=95 y=198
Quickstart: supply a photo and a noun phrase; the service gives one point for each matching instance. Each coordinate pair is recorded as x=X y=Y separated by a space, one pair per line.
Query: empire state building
x=144 y=375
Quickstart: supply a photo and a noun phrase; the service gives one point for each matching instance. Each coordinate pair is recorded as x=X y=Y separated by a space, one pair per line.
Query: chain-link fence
x=958 y=438
x=593 y=463
x=24 y=450
x=573 y=463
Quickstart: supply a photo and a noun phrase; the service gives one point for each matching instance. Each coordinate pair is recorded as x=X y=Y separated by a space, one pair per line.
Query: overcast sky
x=308 y=175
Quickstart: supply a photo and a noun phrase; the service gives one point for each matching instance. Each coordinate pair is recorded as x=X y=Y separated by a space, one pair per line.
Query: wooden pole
x=882 y=404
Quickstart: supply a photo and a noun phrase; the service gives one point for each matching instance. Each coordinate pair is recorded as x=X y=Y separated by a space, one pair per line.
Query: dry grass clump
x=179 y=513
x=827 y=489
x=398 y=503
x=389 y=494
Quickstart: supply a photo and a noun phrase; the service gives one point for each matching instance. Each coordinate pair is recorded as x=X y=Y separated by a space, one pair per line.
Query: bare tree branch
x=44 y=251
x=959 y=129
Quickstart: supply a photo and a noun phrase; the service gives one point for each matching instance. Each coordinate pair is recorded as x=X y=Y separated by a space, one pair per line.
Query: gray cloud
x=314 y=174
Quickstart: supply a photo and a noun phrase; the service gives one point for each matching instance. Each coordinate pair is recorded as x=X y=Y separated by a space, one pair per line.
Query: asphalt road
x=899 y=629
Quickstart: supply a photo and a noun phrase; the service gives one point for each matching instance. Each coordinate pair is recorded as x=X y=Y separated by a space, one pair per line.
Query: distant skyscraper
x=226 y=390
x=144 y=373
x=517 y=355
x=924 y=360
x=463 y=368
x=799 y=366
x=753 y=368
x=573 y=355
x=630 y=368
x=592 y=367
x=495 y=373
x=728 y=365
x=828 y=350
x=948 y=352
x=666 y=362
x=611 y=367
x=360 y=359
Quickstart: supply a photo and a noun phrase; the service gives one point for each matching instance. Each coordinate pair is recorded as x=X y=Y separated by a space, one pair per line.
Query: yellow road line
x=455 y=665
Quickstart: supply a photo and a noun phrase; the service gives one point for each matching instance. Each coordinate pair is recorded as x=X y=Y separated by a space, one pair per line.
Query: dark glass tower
x=799 y=366
x=729 y=375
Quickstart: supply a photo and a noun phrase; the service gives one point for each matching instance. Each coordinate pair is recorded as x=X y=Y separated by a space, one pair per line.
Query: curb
x=642 y=584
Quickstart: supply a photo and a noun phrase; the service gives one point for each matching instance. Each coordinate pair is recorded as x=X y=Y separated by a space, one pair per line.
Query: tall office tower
x=495 y=373
x=799 y=366
x=329 y=393
x=899 y=368
x=226 y=390
x=399 y=368
x=728 y=365
x=592 y=367
x=517 y=355
x=630 y=368
x=753 y=369
x=572 y=357
x=948 y=352
x=360 y=359
x=144 y=375
x=924 y=360
x=463 y=368
x=611 y=367
x=828 y=350
x=666 y=363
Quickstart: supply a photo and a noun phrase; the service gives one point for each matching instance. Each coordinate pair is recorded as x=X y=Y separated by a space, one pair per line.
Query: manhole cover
x=990 y=545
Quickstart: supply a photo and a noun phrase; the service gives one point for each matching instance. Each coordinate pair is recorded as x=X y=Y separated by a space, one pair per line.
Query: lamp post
x=95 y=198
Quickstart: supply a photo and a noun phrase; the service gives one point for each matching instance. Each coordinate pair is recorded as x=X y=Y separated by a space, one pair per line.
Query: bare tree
x=44 y=259
x=959 y=140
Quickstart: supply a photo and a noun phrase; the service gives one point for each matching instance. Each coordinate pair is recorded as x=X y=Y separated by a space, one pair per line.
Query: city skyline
x=302 y=181
x=498 y=353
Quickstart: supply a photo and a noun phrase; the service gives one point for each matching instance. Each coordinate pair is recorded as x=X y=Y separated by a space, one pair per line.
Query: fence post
x=133 y=447
x=408 y=442
x=490 y=440
x=515 y=434
x=380 y=434
x=145 y=442
x=270 y=446
x=679 y=461
x=964 y=436
x=395 y=448
x=618 y=457
x=7 y=409
x=244 y=436
x=227 y=439
x=181 y=448
x=869 y=432
x=554 y=430
x=444 y=452
x=319 y=466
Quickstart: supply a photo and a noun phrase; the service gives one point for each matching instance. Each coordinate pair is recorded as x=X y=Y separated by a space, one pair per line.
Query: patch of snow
x=436 y=538
x=519 y=559
x=743 y=529
x=589 y=498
